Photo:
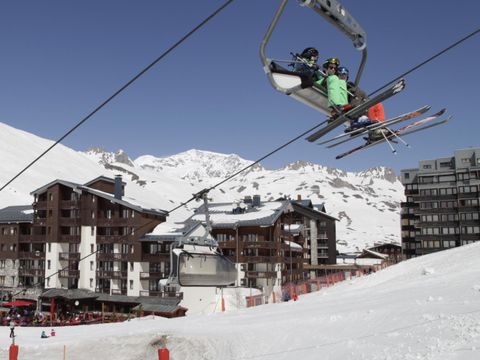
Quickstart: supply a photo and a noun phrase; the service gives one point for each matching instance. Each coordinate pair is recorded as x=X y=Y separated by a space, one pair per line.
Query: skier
x=336 y=87
x=43 y=335
x=356 y=97
x=306 y=62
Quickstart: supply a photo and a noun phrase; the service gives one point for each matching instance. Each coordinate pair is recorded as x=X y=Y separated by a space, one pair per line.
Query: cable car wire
x=116 y=93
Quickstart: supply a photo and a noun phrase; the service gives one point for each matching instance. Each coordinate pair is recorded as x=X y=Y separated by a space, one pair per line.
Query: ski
x=358 y=111
x=378 y=125
x=402 y=131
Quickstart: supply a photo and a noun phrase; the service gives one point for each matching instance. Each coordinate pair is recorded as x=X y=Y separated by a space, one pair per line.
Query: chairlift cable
x=130 y=82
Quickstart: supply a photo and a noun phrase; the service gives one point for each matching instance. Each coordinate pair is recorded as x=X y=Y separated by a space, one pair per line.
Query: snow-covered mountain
x=366 y=203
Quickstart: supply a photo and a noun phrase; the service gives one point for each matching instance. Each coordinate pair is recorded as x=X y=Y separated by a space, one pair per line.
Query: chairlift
x=303 y=88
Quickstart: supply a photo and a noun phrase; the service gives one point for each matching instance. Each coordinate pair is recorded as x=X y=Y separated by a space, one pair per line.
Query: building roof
x=102 y=178
x=131 y=203
x=222 y=214
x=69 y=294
x=16 y=214
x=306 y=208
x=171 y=231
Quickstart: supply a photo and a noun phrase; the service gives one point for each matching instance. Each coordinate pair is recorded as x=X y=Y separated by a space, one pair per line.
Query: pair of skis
x=385 y=134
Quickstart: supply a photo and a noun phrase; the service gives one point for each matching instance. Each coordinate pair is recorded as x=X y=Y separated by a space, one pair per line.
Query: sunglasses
x=333 y=67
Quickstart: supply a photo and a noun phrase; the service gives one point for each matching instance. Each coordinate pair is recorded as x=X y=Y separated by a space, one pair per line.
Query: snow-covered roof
x=15 y=214
x=222 y=214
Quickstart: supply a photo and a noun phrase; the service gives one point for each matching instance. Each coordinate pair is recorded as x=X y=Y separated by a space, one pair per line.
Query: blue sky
x=61 y=59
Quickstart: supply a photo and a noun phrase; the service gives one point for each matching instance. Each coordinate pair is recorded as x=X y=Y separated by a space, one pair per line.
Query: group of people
x=342 y=94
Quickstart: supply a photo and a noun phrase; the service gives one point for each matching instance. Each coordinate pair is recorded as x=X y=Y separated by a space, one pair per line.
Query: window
x=131 y=284
x=109 y=214
x=49 y=247
x=91 y=267
x=2 y=264
x=407 y=175
x=91 y=282
x=92 y=214
x=427 y=166
x=48 y=282
x=50 y=197
x=131 y=266
x=445 y=164
x=465 y=160
x=48 y=264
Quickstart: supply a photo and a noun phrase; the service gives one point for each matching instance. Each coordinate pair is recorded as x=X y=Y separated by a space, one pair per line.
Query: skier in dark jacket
x=306 y=63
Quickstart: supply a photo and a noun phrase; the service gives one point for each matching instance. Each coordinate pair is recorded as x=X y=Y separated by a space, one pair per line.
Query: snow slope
x=424 y=308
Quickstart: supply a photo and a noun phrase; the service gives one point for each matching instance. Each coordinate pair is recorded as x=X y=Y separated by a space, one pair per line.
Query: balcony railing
x=119 y=291
x=152 y=275
x=112 y=256
x=70 y=238
x=68 y=256
x=31 y=255
x=111 y=274
x=31 y=272
x=69 y=274
x=261 y=274
x=162 y=294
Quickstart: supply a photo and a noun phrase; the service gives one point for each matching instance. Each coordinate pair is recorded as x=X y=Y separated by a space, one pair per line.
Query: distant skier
x=44 y=335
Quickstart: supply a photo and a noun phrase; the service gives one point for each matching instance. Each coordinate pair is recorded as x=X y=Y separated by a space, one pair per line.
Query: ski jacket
x=376 y=112
x=337 y=90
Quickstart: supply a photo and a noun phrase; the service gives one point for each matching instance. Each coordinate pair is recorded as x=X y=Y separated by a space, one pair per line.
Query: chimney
x=247 y=199
x=299 y=197
x=256 y=200
x=118 y=188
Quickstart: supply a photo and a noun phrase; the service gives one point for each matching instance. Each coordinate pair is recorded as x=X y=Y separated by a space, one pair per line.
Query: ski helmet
x=342 y=70
x=309 y=52
x=333 y=61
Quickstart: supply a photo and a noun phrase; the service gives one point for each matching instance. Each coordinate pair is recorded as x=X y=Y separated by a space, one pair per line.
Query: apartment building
x=442 y=207
x=87 y=236
x=15 y=243
x=270 y=241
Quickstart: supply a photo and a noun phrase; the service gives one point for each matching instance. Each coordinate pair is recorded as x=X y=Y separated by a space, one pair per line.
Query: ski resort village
x=279 y=195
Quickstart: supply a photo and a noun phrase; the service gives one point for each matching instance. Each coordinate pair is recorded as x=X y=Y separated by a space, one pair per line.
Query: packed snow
x=424 y=308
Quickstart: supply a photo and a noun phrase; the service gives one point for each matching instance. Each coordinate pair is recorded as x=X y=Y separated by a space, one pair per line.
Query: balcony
x=111 y=274
x=162 y=294
x=40 y=205
x=118 y=291
x=152 y=275
x=68 y=221
x=322 y=244
x=69 y=238
x=24 y=238
x=155 y=257
x=475 y=237
x=258 y=259
x=69 y=274
x=470 y=195
x=118 y=222
x=69 y=204
x=436 y=211
x=437 y=237
x=109 y=239
x=40 y=272
x=68 y=256
x=33 y=255
x=261 y=274
x=112 y=257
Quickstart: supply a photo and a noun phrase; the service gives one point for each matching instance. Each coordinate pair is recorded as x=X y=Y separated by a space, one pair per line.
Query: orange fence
x=290 y=291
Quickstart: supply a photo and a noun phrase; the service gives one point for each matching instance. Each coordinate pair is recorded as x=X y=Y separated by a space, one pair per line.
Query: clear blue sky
x=60 y=59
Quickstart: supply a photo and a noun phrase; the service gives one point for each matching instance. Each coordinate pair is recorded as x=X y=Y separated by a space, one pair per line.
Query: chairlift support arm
x=337 y=15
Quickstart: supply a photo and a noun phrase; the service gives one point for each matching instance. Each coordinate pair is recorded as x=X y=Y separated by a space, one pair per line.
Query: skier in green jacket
x=336 y=88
